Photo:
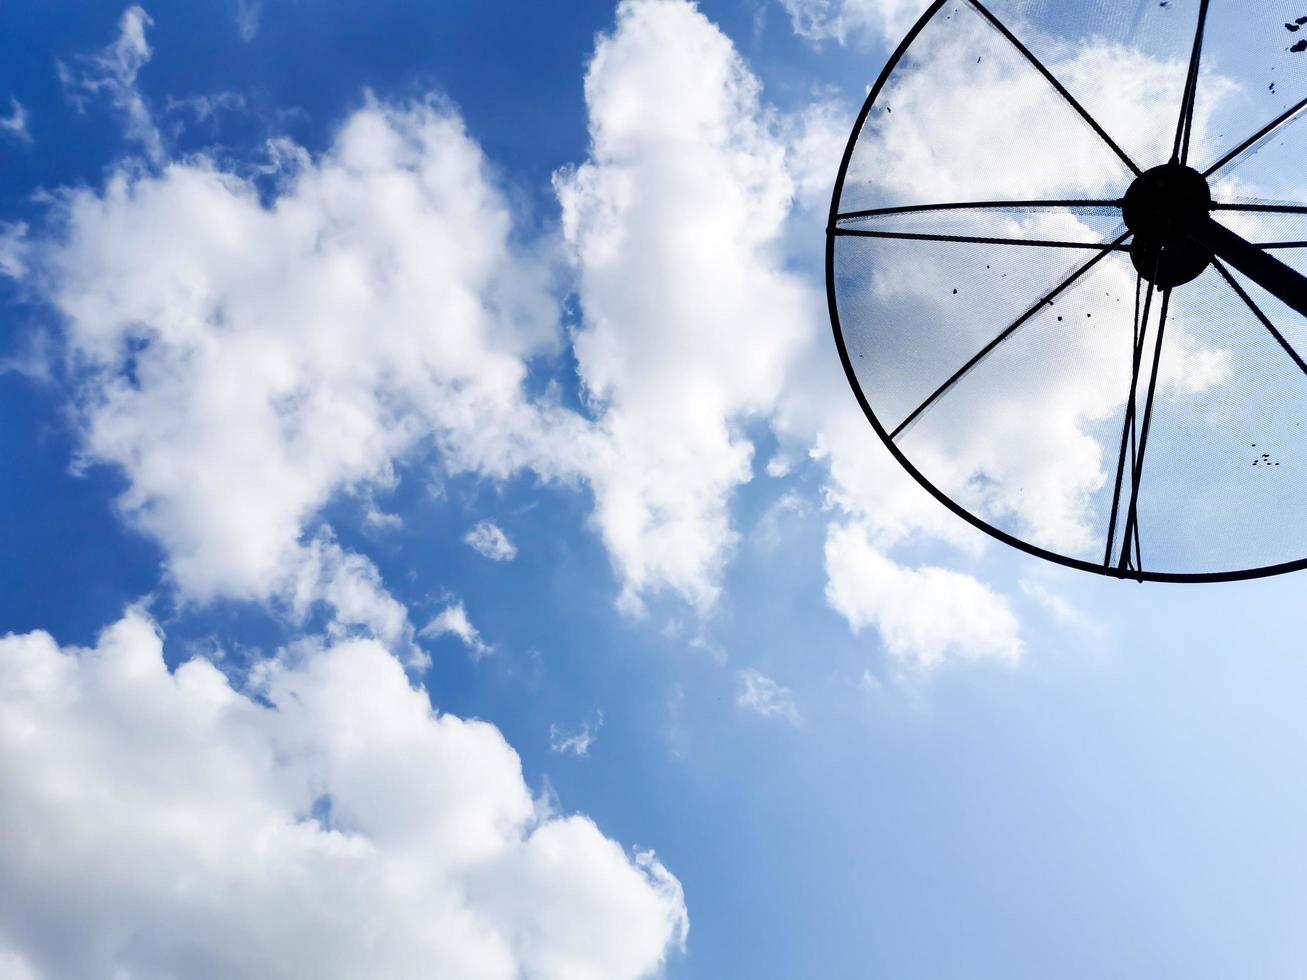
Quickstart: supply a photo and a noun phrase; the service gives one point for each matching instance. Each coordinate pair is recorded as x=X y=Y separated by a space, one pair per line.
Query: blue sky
x=256 y=395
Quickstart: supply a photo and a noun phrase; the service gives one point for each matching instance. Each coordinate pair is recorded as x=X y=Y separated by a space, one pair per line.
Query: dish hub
x=1161 y=207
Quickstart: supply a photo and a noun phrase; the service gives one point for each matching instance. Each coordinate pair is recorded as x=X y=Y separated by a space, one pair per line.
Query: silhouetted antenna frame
x=1163 y=267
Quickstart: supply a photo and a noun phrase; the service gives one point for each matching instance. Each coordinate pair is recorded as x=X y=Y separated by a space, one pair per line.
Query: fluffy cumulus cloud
x=693 y=317
x=250 y=347
x=311 y=338
x=245 y=347
x=319 y=820
x=689 y=316
x=924 y=614
x=243 y=362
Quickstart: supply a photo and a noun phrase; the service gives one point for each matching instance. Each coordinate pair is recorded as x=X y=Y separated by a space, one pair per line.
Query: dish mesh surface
x=975 y=225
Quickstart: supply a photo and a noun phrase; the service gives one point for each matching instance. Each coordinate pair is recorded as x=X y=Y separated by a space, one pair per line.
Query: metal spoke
x=1258 y=136
x=1134 y=435
x=1128 y=421
x=914 y=236
x=1282 y=281
x=972 y=206
x=1185 y=124
x=1004 y=334
x=1061 y=90
x=1257 y=312
x=1261 y=208
x=1266 y=209
x=1132 y=517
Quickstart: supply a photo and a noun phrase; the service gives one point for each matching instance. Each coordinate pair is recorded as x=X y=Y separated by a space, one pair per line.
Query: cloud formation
x=243 y=363
x=694 y=320
x=924 y=614
x=14 y=125
x=578 y=742
x=251 y=347
x=490 y=541
x=245 y=347
x=453 y=621
x=319 y=821
x=763 y=696
x=689 y=316
x=844 y=20
x=112 y=73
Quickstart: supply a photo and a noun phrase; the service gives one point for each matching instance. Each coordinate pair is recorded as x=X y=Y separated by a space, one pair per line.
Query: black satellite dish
x=1068 y=240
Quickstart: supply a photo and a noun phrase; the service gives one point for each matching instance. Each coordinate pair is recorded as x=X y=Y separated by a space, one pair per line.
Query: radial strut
x=1052 y=80
x=915 y=236
x=1137 y=470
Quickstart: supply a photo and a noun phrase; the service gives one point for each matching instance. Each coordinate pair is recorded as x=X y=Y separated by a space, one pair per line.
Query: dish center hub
x=1160 y=207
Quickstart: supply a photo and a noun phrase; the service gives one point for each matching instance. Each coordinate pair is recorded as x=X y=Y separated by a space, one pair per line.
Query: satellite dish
x=1065 y=267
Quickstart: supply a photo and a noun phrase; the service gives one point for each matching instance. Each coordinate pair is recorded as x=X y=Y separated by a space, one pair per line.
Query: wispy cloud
x=768 y=532
x=112 y=72
x=15 y=124
x=453 y=620
x=13 y=250
x=1063 y=611
x=762 y=695
x=491 y=541
x=578 y=742
x=248 y=13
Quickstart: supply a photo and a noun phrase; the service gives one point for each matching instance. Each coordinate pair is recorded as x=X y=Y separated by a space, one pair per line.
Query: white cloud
x=245 y=362
x=206 y=107
x=325 y=822
x=578 y=742
x=814 y=138
x=692 y=321
x=113 y=72
x=15 y=124
x=924 y=615
x=248 y=361
x=1062 y=610
x=351 y=586
x=842 y=20
x=768 y=532
x=689 y=316
x=490 y=540
x=13 y=250
x=453 y=621
x=374 y=517
x=248 y=13
x=760 y=694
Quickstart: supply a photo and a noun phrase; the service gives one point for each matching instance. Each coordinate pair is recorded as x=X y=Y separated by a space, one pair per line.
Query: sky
x=439 y=539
